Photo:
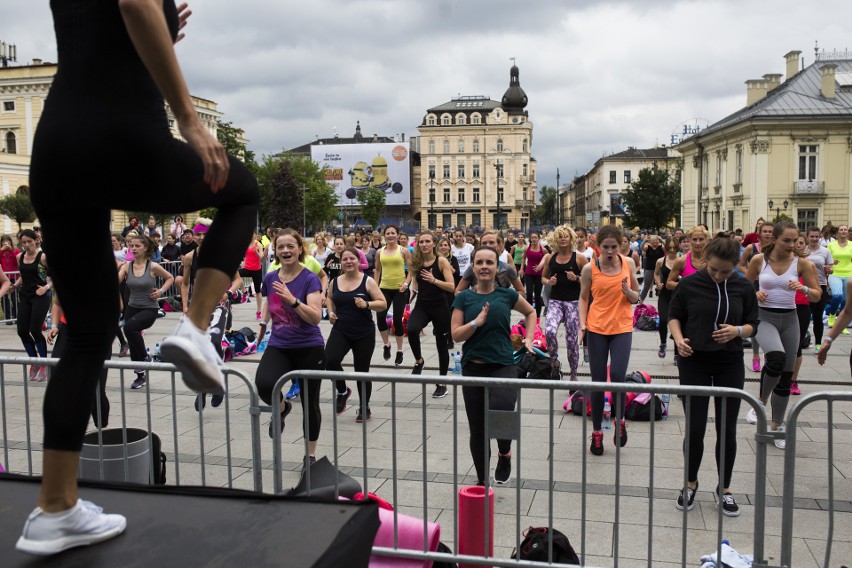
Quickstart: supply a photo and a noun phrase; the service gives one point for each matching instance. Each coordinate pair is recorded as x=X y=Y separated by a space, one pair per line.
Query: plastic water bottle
x=148 y=354
x=457 y=367
x=263 y=342
x=607 y=414
x=156 y=352
x=665 y=400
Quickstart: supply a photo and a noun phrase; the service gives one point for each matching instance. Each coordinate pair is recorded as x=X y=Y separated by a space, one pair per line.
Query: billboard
x=351 y=168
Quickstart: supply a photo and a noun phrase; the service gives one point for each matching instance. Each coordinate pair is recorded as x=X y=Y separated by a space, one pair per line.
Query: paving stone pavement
x=398 y=447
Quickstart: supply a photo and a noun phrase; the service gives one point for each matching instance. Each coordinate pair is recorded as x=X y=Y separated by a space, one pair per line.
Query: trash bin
x=137 y=457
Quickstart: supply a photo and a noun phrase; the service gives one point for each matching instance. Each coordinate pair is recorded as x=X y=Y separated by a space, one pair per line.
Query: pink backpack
x=539 y=339
x=644 y=310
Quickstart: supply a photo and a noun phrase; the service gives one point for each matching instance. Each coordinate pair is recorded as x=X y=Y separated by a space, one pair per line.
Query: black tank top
x=33 y=275
x=352 y=321
x=428 y=293
x=564 y=290
x=664 y=277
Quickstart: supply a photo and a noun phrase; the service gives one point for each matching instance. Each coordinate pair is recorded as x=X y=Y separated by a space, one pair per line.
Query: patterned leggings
x=560 y=311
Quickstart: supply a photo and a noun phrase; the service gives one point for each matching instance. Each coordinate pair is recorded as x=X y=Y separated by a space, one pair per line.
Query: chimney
x=774 y=79
x=36 y=61
x=792 y=63
x=827 y=72
x=756 y=89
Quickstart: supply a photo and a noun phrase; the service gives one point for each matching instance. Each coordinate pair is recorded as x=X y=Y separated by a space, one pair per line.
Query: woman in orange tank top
x=608 y=322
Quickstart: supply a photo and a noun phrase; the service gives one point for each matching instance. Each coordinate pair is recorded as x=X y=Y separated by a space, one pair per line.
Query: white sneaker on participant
x=83 y=524
x=751 y=416
x=191 y=351
x=780 y=443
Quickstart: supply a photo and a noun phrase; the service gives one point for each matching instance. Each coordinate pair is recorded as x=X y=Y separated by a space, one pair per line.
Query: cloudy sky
x=600 y=75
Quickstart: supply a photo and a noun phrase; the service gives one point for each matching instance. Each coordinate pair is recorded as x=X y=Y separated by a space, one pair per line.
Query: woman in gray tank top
x=141 y=311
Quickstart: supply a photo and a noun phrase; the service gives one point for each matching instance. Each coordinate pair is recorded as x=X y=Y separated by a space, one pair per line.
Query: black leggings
x=172 y=179
x=397 y=300
x=533 y=292
x=101 y=418
x=439 y=315
x=136 y=320
x=817 y=311
x=277 y=362
x=616 y=349
x=474 y=407
x=256 y=278
x=336 y=348
x=803 y=312
x=31 y=313
x=663 y=309
x=712 y=369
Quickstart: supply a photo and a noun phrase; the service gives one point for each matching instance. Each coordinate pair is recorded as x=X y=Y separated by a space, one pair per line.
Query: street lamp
x=718 y=215
x=558 y=201
x=778 y=209
x=497 y=174
x=429 y=221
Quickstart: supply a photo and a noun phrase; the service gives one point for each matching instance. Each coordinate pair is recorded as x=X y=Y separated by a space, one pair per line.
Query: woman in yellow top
x=841 y=252
x=391 y=261
x=608 y=322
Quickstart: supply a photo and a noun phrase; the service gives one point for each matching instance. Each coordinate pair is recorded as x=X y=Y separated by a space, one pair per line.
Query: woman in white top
x=777 y=270
x=824 y=263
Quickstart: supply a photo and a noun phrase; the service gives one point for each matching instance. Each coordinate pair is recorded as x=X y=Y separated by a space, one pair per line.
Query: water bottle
x=457 y=367
x=607 y=414
x=665 y=400
x=47 y=320
x=148 y=354
x=156 y=352
x=262 y=347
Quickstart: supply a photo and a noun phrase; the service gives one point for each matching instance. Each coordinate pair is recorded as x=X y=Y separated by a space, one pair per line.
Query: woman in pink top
x=532 y=273
x=693 y=261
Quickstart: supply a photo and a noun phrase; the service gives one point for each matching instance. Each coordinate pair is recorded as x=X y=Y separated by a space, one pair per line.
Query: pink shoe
x=41 y=376
x=755 y=364
x=33 y=374
x=794 y=388
x=257 y=316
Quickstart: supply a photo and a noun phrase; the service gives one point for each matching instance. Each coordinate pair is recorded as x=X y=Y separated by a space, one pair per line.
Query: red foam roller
x=472 y=522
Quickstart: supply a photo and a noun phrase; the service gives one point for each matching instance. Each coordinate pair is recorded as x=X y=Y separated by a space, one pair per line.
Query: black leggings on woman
x=817 y=311
x=336 y=348
x=533 y=292
x=277 y=362
x=397 y=300
x=135 y=321
x=439 y=315
x=474 y=407
x=101 y=418
x=616 y=350
x=61 y=187
x=31 y=313
x=663 y=309
x=712 y=369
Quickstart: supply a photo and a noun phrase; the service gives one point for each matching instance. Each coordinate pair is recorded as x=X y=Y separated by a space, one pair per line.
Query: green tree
x=653 y=200
x=231 y=138
x=18 y=207
x=372 y=205
x=545 y=213
x=285 y=197
x=317 y=201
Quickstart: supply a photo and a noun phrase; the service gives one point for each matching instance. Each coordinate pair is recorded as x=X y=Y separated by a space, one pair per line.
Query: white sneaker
x=751 y=416
x=83 y=524
x=780 y=443
x=191 y=351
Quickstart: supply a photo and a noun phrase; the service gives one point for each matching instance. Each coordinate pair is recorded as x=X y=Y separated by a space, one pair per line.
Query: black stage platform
x=195 y=526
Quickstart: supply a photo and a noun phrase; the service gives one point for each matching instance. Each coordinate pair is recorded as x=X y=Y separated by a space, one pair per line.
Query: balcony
x=527 y=179
x=805 y=187
x=524 y=203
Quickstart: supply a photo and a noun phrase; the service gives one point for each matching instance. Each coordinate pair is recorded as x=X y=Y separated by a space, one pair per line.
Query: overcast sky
x=600 y=76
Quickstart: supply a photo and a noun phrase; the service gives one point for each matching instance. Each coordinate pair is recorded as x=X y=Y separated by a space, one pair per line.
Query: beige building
x=597 y=193
x=788 y=151
x=476 y=166
x=23 y=90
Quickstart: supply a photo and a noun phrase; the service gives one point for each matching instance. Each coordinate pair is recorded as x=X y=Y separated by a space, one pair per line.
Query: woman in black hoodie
x=710 y=312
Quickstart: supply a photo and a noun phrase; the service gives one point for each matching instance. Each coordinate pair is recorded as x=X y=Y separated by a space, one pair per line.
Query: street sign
x=340 y=216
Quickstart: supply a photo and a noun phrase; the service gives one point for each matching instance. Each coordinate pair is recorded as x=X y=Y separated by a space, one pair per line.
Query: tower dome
x=514 y=99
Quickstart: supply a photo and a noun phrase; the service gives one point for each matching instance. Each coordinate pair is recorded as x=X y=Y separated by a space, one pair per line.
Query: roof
x=639 y=154
x=466 y=103
x=800 y=96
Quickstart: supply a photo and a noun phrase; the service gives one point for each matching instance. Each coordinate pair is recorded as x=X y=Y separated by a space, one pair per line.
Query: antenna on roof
x=816 y=50
x=512 y=59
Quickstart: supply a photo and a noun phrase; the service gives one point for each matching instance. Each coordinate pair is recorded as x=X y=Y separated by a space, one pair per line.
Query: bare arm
x=742 y=266
x=583 y=304
x=674 y=274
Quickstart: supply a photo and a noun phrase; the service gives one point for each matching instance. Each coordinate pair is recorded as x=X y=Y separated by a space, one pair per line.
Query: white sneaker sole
x=49 y=547
x=724 y=511
x=199 y=375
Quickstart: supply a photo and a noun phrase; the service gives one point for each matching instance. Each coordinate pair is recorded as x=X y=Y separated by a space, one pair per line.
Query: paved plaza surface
x=811 y=521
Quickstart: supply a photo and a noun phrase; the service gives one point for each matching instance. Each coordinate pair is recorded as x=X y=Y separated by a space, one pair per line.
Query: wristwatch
x=296 y=304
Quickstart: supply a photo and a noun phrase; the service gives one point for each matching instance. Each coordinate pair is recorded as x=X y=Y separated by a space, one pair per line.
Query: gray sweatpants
x=778 y=332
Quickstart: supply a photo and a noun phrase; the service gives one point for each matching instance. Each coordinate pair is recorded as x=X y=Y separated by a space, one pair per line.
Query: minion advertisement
x=350 y=168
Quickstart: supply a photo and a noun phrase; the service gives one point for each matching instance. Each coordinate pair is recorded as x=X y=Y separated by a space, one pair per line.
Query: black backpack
x=535 y=547
x=158 y=456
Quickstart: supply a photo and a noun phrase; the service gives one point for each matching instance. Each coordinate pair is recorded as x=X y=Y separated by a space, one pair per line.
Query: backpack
x=647 y=323
x=639 y=405
x=539 y=339
x=645 y=310
x=535 y=546
x=241 y=340
x=534 y=366
x=159 y=459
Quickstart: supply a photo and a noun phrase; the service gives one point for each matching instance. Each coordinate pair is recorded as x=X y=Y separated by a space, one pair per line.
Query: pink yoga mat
x=410 y=538
x=472 y=522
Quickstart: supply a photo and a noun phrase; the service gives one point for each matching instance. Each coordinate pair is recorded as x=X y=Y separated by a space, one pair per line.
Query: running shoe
x=751 y=416
x=831 y=318
x=503 y=471
x=816 y=348
x=139 y=382
x=257 y=316
x=398 y=360
x=661 y=353
x=794 y=388
x=41 y=376
x=124 y=351
x=755 y=364
x=729 y=505
x=845 y=331
x=306 y=463
x=288 y=406
x=676 y=358
x=440 y=391
x=33 y=374
x=620 y=435
x=597 y=448
x=190 y=350
x=585 y=354
x=386 y=352
x=216 y=400
x=360 y=417
x=342 y=397
x=780 y=443
x=418 y=367
x=294 y=392
x=82 y=525
x=686 y=499
x=200 y=401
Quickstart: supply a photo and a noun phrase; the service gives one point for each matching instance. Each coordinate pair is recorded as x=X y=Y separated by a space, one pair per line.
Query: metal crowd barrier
x=201 y=447
x=175 y=268
x=509 y=425
x=9 y=302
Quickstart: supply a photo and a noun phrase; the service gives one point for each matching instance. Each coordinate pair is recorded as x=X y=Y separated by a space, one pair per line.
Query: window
x=475 y=197
x=461 y=146
x=476 y=169
x=446 y=171
x=446 y=146
x=524 y=145
x=11 y=143
x=499 y=167
x=460 y=119
x=447 y=195
x=431 y=121
x=626 y=176
x=739 y=167
x=9 y=106
x=461 y=171
x=431 y=171
x=500 y=194
x=431 y=195
x=476 y=145
x=445 y=120
x=524 y=169
x=431 y=146
x=806 y=218
x=461 y=195
x=475 y=119
x=718 y=170
x=448 y=219
x=475 y=219
x=499 y=144
x=705 y=171
x=462 y=220
x=612 y=176
x=524 y=194
x=807 y=162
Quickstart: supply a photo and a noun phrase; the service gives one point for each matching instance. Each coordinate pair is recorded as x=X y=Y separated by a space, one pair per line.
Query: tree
x=231 y=138
x=285 y=199
x=653 y=200
x=372 y=202
x=545 y=213
x=18 y=207
x=317 y=201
